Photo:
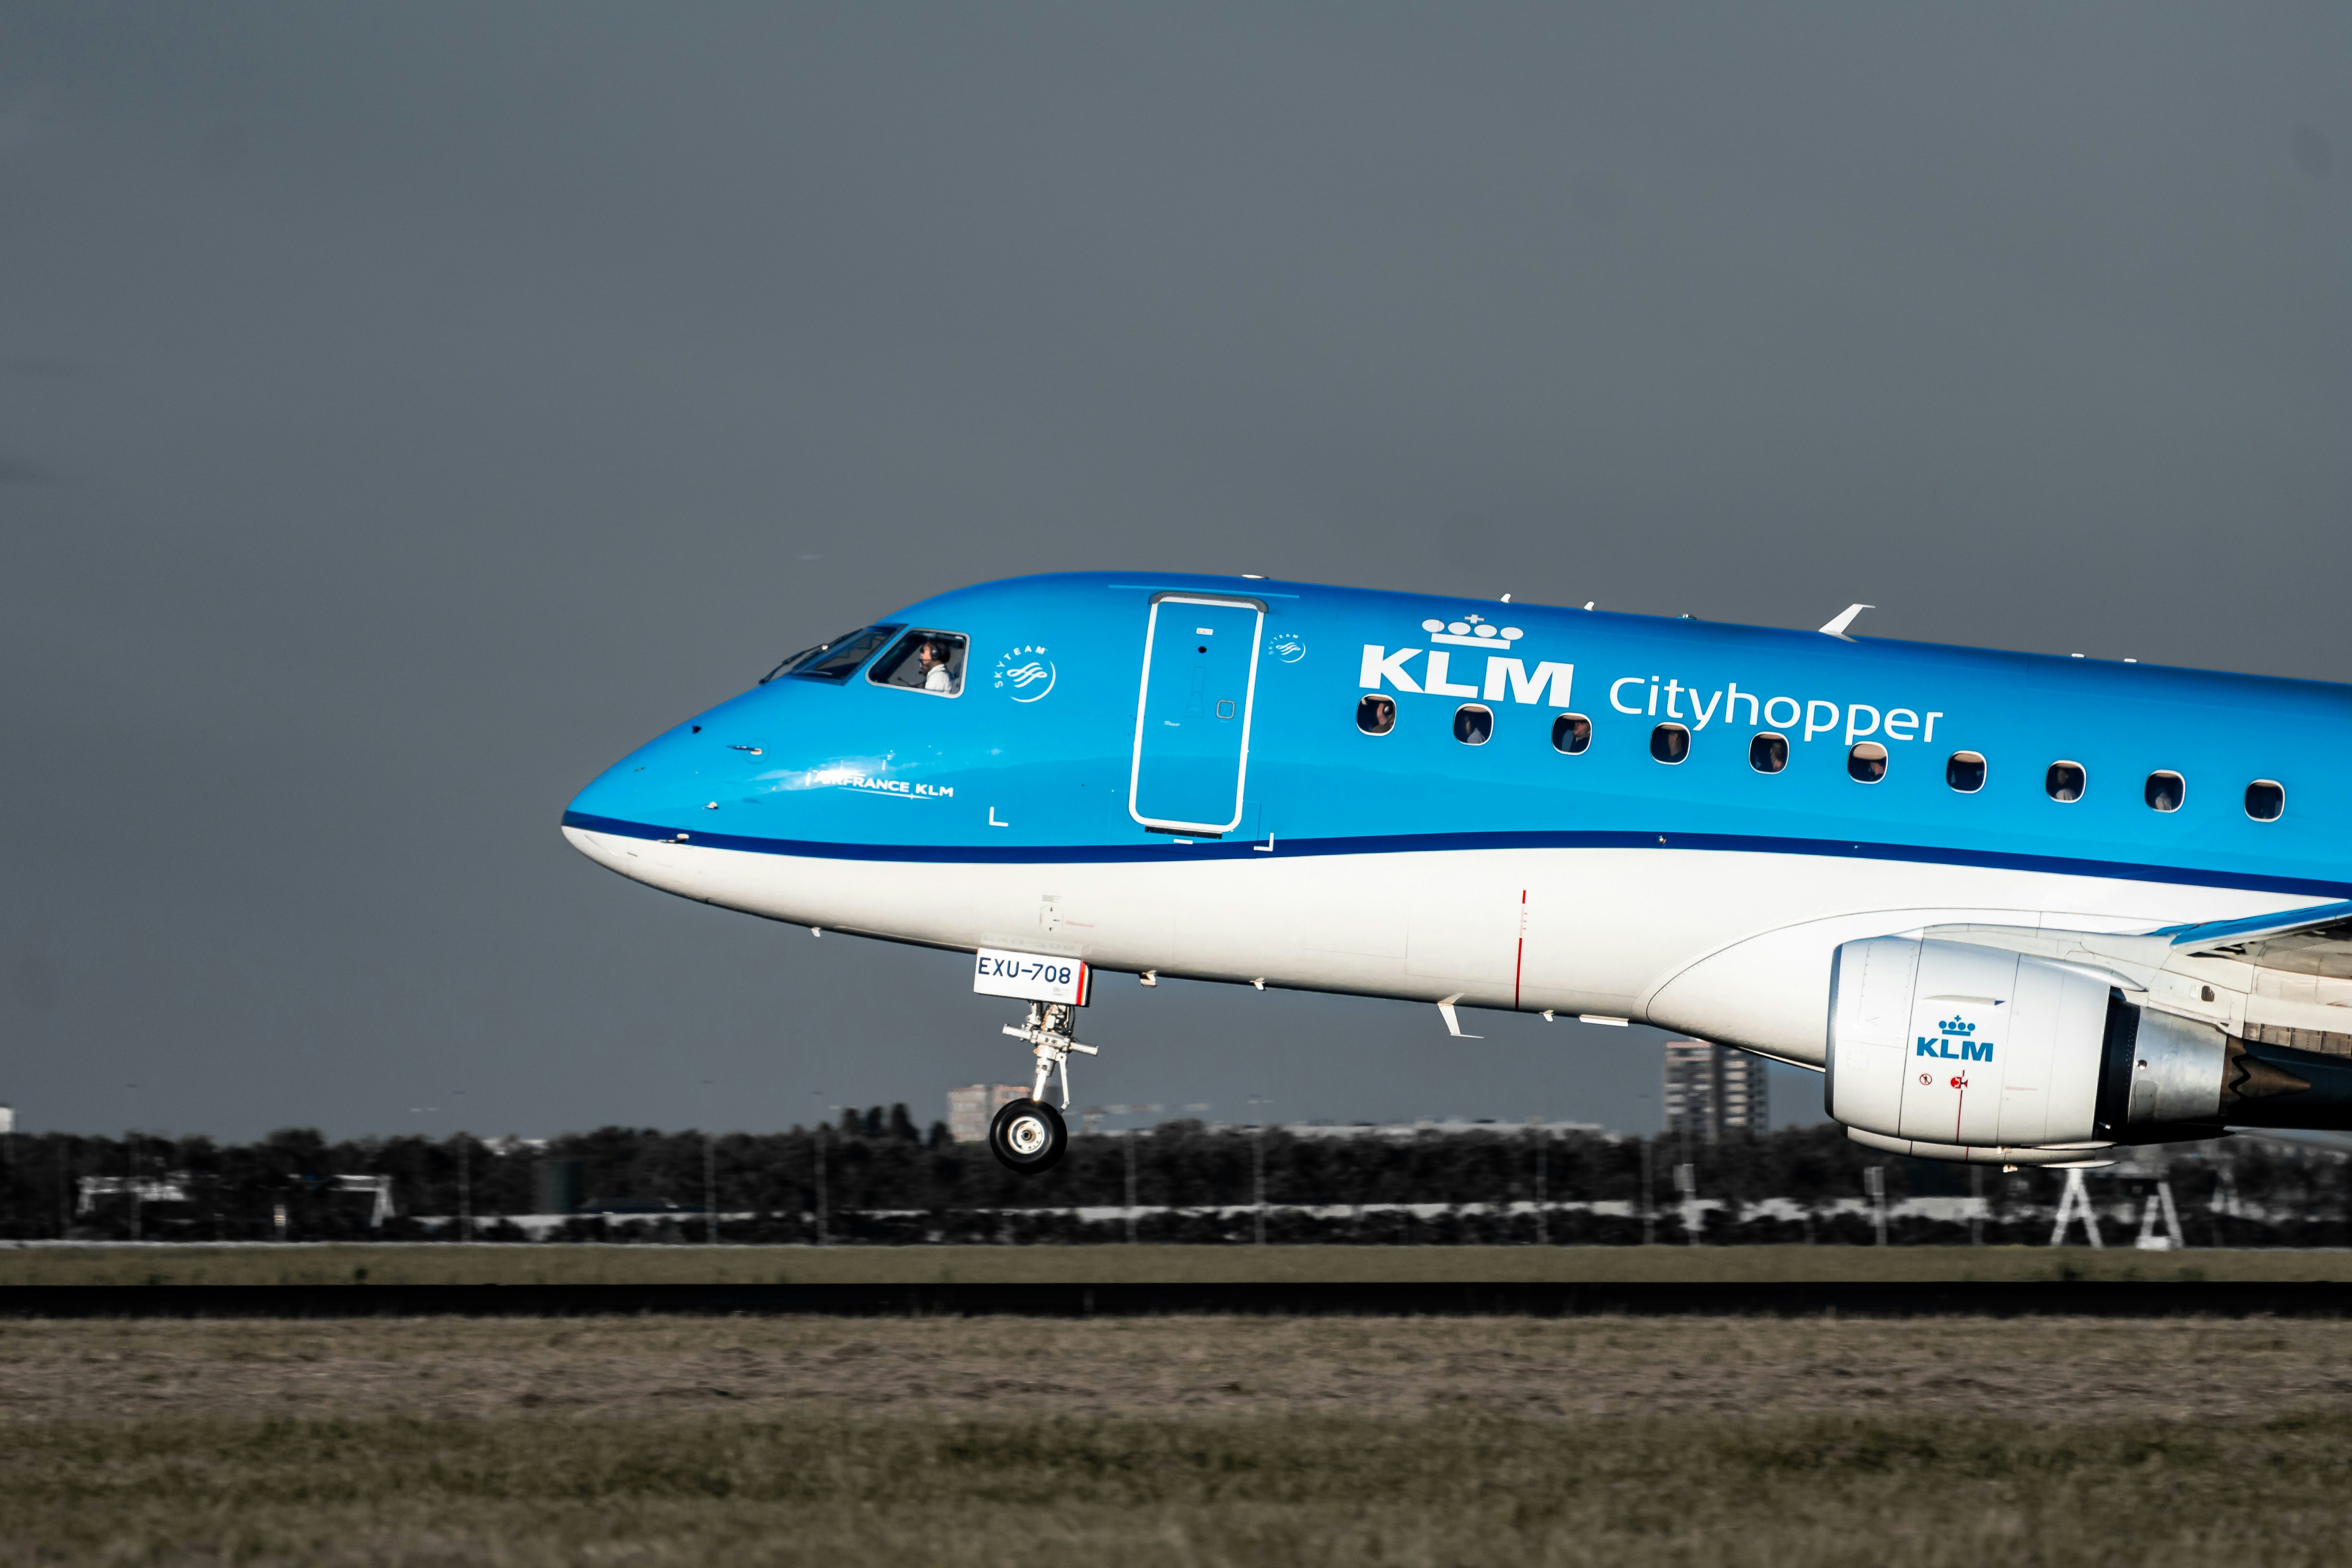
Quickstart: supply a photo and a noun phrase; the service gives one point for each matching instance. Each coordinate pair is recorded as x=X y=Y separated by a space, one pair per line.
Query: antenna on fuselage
x=1843 y=619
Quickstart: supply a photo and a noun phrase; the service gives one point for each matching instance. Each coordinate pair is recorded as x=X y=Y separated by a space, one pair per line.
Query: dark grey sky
x=406 y=410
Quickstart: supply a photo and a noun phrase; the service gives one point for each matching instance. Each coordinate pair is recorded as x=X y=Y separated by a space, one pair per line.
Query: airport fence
x=876 y=1179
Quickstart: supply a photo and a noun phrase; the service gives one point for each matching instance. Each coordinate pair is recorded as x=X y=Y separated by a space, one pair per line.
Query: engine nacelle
x=1950 y=1051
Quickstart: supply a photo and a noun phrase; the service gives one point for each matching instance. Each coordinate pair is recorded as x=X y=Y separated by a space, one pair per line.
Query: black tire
x=1028 y=1136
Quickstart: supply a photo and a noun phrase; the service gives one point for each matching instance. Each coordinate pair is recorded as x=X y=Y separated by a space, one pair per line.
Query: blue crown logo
x=1955 y=1026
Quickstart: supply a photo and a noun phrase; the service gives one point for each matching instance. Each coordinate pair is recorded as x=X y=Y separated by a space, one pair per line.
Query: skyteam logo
x=1502 y=678
x=1949 y=1032
x=1026 y=673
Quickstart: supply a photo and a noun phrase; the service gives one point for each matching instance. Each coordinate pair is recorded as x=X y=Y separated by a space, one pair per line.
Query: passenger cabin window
x=923 y=661
x=1866 y=763
x=2265 y=800
x=2165 y=791
x=1965 y=771
x=1472 y=725
x=1670 y=742
x=1768 y=752
x=1376 y=715
x=2066 y=782
x=836 y=661
x=1572 y=733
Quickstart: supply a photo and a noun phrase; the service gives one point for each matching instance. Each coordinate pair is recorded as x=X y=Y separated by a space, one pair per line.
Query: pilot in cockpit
x=931 y=663
x=922 y=661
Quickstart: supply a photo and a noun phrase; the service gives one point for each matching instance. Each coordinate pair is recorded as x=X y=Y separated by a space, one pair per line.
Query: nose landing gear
x=1029 y=1135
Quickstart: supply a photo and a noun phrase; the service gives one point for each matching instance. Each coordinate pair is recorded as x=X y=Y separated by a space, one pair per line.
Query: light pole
x=465 y=1173
x=1132 y=1134
x=1649 y=1216
x=710 y=1180
x=426 y=1195
x=816 y=1143
x=1543 y=1220
x=130 y=1158
x=1257 y=1163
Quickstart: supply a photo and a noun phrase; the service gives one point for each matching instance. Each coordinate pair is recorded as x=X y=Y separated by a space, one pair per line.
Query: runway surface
x=1420 y=1442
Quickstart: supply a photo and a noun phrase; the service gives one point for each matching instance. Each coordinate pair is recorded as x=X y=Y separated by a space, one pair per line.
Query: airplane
x=2017 y=909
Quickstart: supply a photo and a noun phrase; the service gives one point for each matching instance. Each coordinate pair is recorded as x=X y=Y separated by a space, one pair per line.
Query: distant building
x=972 y=1108
x=557 y=1186
x=1747 y=1102
x=1709 y=1088
x=172 y=1187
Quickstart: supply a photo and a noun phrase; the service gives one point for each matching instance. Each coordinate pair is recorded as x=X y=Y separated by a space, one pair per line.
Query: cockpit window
x=923 y=661
x=793 y=661
x=836 y=661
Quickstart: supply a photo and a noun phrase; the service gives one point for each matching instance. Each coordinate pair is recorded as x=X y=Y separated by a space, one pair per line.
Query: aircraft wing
x=2317 y=940
x=2282 y=980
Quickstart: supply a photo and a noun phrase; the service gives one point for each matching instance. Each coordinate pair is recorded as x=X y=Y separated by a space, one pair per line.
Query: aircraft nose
x=600 y=848
x=649 y=814
x=594 y=824
x=637 y=804
x=627 y=825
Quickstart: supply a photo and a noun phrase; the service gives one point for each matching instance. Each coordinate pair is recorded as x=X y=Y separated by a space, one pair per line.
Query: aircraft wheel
x=1028 y=1136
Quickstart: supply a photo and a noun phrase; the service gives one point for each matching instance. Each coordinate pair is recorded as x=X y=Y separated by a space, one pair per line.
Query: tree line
x=876 y=1178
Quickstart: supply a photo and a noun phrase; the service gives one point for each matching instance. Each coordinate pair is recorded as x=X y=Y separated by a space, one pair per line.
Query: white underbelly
x=1726 y=945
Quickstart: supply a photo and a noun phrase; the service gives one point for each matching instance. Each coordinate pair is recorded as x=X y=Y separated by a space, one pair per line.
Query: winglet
x=1843 y=619
x=1453 y=1023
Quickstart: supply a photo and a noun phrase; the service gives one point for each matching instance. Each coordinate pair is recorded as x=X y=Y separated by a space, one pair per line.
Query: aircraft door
x=1193 y=718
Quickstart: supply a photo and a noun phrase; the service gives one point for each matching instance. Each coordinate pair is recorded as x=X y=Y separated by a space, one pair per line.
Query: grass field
x=448 y=1264
x=665 y=1441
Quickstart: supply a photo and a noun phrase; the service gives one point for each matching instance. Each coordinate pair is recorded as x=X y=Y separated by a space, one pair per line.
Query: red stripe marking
x=1520 y=962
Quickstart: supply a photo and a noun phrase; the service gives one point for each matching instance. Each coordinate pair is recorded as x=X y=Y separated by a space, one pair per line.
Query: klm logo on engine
x=1502 y=677
x=1954 y=1031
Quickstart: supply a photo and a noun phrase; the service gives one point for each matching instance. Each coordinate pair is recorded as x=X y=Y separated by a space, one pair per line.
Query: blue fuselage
x=1036 y=757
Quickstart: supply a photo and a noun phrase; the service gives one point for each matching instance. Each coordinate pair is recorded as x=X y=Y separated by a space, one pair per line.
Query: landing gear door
x=1193 y=718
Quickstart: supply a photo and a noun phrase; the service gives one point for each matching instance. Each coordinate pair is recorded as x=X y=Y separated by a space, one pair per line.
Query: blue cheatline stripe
x=1404 y=843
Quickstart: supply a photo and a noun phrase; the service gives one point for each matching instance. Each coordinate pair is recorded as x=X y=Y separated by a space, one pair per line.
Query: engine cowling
x=1946 y=1050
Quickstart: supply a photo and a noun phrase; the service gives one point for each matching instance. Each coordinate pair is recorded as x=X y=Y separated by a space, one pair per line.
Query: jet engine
x=1950 y=1051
